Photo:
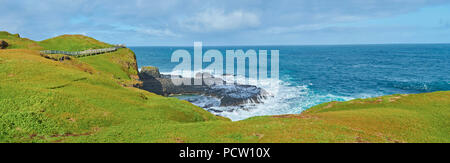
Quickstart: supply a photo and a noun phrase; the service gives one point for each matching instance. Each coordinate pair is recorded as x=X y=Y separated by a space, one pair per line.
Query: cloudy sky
x=232 y=22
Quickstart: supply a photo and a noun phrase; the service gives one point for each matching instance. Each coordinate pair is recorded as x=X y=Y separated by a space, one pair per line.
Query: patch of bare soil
x=393 y=99
x=330 y=105
x=179 y=140
x=295 y=116
x=260 y=136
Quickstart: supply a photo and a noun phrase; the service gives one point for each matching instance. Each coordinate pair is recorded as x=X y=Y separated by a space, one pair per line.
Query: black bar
x=298 y=152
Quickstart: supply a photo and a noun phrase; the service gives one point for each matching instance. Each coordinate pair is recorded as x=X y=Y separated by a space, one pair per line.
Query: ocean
x=311 y=75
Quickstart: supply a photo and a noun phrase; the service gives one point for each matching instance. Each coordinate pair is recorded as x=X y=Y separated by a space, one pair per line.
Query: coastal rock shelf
x=229 y=94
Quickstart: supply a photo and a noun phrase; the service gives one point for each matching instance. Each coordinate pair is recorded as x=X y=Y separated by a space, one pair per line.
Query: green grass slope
x=16 y=42
x=72 y=43
x=89 y=99
x=43 y=100
x=120 y=65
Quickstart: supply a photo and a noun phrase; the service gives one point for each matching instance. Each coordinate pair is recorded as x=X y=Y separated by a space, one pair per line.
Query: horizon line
x=288 y=44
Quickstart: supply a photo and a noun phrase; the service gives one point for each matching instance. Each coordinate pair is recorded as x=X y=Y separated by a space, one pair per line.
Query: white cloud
x=298 y=28
x=223 y=21
x=158 y=32
x=218 y=20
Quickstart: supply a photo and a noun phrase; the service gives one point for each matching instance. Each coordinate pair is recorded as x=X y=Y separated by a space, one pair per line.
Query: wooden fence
x=85 y=52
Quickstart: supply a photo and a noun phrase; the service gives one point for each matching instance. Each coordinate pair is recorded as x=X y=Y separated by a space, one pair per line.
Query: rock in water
x=149 y=72
x=150 y=75
x=229 y=94
x=3 y=44
x=233 y=95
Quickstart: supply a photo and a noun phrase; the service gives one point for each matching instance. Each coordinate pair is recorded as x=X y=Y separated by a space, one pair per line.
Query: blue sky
x=232 y=22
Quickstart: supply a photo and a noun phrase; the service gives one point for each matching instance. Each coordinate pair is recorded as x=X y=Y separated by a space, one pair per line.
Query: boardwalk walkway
x=85 y=52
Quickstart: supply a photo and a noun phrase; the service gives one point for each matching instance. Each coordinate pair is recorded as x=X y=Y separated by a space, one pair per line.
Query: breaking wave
x=282 y=98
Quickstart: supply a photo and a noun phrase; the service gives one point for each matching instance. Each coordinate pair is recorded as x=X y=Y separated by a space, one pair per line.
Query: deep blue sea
x=311 y=75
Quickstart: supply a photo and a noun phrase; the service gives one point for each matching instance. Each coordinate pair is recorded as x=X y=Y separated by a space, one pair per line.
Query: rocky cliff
x=229 y=94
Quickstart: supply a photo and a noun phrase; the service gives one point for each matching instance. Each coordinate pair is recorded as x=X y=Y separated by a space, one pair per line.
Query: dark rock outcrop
x=149 y=73
x=63 y=58
x=3 y=44
x=229 y=94
x=149 y=77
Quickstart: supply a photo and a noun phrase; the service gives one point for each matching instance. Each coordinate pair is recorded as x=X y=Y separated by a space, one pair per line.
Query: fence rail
x=84 y=52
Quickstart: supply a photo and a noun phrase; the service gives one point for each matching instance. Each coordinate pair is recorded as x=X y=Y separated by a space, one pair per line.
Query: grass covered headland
x=92 y=99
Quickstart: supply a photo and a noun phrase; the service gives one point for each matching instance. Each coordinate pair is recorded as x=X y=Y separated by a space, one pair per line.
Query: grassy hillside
x=72 y=43
x=89 y=99
x=390 y=119
x=42 y=100
x=16 y=42
x=120 y=65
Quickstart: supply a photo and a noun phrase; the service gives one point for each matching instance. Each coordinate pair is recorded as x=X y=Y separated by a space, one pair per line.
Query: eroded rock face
x=3 y=44
x=150 y=82
x=149 y=72
x=229 y=94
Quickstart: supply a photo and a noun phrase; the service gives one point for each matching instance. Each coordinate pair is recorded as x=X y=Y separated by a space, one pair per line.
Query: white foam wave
x=283 y=98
